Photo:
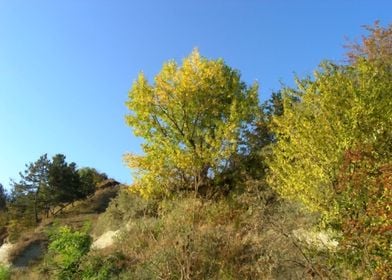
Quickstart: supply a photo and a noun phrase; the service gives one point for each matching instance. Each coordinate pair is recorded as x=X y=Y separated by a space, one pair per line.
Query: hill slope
x=29 y=250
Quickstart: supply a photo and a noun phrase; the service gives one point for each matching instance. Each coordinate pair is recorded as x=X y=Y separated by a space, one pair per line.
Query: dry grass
x=242 y=236
x=25 y=242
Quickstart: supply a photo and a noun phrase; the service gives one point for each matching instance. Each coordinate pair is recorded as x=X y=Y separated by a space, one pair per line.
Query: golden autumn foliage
x=342 y=107
x=191 y=118
x=333 y=153
x=364 y=193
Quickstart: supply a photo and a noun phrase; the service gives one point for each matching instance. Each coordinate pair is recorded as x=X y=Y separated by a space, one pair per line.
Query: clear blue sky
x=66 y=66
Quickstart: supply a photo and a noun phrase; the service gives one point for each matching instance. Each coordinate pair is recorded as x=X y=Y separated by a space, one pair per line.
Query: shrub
x=246 y=234
x=65 y=251
x=100 y=267
x=240 y=236
x=364 y=192
x=5 y=272
x=124 y=207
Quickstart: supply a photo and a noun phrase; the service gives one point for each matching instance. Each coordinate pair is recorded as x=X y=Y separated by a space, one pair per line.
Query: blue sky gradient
x=66 y=66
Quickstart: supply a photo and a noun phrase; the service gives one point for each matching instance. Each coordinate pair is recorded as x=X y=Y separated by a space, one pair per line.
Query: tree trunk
x=36 y=207
x=201 y=182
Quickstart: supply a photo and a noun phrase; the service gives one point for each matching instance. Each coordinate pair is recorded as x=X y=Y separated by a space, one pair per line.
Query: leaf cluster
x=333 y=152
x=192 y=118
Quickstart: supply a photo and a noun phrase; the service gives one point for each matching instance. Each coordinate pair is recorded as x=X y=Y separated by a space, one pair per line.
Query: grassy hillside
x=27 y=253
x=248 y=235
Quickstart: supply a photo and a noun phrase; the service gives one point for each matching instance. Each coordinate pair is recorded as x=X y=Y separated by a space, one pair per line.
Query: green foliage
x=250 y=162
x=29 y=193
x=5 y=273
x=66 y=248
x=99 y=267
x=3 y=198
x=90 y=178
x=191 y=117
x=63 y=181
x=45 y=185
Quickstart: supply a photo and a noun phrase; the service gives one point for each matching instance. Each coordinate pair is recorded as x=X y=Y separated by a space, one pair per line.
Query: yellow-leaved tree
x=333 y=153
x=342 y=108
x=191 y=117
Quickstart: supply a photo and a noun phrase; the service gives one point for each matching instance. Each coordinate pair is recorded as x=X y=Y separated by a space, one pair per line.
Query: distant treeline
x=45 y=187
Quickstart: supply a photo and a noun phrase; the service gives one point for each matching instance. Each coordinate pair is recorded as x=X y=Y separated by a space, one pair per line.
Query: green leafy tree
x=64 y=181
x=44 y=185
x=248 y=165
x=192 y=118
x=29 y=193
x=3 y=198
x=90 y=178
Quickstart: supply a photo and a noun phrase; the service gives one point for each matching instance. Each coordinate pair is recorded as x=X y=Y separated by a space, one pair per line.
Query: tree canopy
x=343 y=107
x=29 y=194
x=3 y=198
x=48 y=183
x=191 y=118
x=334 y=155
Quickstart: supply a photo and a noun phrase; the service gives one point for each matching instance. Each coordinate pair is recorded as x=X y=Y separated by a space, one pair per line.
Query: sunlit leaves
x=344 y=106
x=364 y=194
x=191 y=117
x=333 y=153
